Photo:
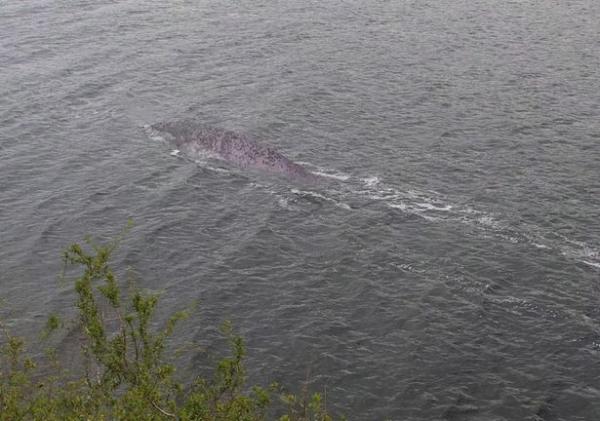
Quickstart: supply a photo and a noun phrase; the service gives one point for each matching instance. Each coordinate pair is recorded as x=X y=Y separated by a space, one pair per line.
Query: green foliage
x=125 y=374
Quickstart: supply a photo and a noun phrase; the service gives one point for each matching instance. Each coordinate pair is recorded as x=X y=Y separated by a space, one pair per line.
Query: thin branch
x=162 y=411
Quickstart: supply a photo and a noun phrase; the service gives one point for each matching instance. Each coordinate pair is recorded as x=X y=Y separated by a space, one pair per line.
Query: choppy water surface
x=448 y=270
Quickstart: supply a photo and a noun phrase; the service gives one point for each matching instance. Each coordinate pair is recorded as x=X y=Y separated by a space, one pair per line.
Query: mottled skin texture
x=194 y=139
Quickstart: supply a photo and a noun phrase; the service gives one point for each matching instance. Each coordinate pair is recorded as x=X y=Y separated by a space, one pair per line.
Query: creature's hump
x=231 y=146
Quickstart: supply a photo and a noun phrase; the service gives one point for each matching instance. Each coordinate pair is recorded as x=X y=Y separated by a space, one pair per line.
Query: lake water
x=449 y=269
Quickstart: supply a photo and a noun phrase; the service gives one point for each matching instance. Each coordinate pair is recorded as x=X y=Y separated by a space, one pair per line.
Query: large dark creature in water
x=195 y=140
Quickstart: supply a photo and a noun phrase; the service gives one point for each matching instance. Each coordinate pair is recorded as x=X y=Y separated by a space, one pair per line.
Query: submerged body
x=241 y=150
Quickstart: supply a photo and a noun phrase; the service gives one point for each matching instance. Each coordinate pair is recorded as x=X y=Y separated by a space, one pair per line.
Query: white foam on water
x=433 y=206
x=305 y=164
x=153 y=134
x=427 y=204
x=307 y=193
x=411 y=210
x=285 y=204
x=322 y=197
x=430 y=206
x=580 y=251
x=402 y=206
x=508 y=300
x=469 y=210
x=593 y=264
x=488 y=221
x=415 y=194
x=371 y=181
x=384 y=195
x=341 y=177
x=202 y=161
x=325 y=172
x=217 y=169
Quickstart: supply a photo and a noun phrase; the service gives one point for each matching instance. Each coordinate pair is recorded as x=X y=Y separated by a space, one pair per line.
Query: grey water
x=447 y=270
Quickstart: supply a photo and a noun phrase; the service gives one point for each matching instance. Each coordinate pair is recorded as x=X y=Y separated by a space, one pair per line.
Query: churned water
x=449 y=267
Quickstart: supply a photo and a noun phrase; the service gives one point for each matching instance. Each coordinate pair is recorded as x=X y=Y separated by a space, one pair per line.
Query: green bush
x=124 y=375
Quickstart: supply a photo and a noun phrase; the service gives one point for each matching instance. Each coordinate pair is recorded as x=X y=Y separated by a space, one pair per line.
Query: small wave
x=322 y=197
x=430 y=206
x=402 y=206
x=425 y=203
x=153 y=134
x=217 y=169
x=585 y=249
x=581 y=252
x=470 y=211
x=175 y=152
x=540 y=246
x=411 y=210
x=325 y=172
x=371 y=181
x=203 y=162
x=489 y=221
x=593 y=264
x=341 y=177
x=285 y=204
x=157 y=138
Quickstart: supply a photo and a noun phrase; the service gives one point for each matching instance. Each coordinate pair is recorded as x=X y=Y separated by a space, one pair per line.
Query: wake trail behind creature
x=350 y=193
x=435 y=207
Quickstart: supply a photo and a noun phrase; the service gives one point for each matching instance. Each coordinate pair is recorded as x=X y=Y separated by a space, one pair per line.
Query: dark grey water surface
x=449 y=270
